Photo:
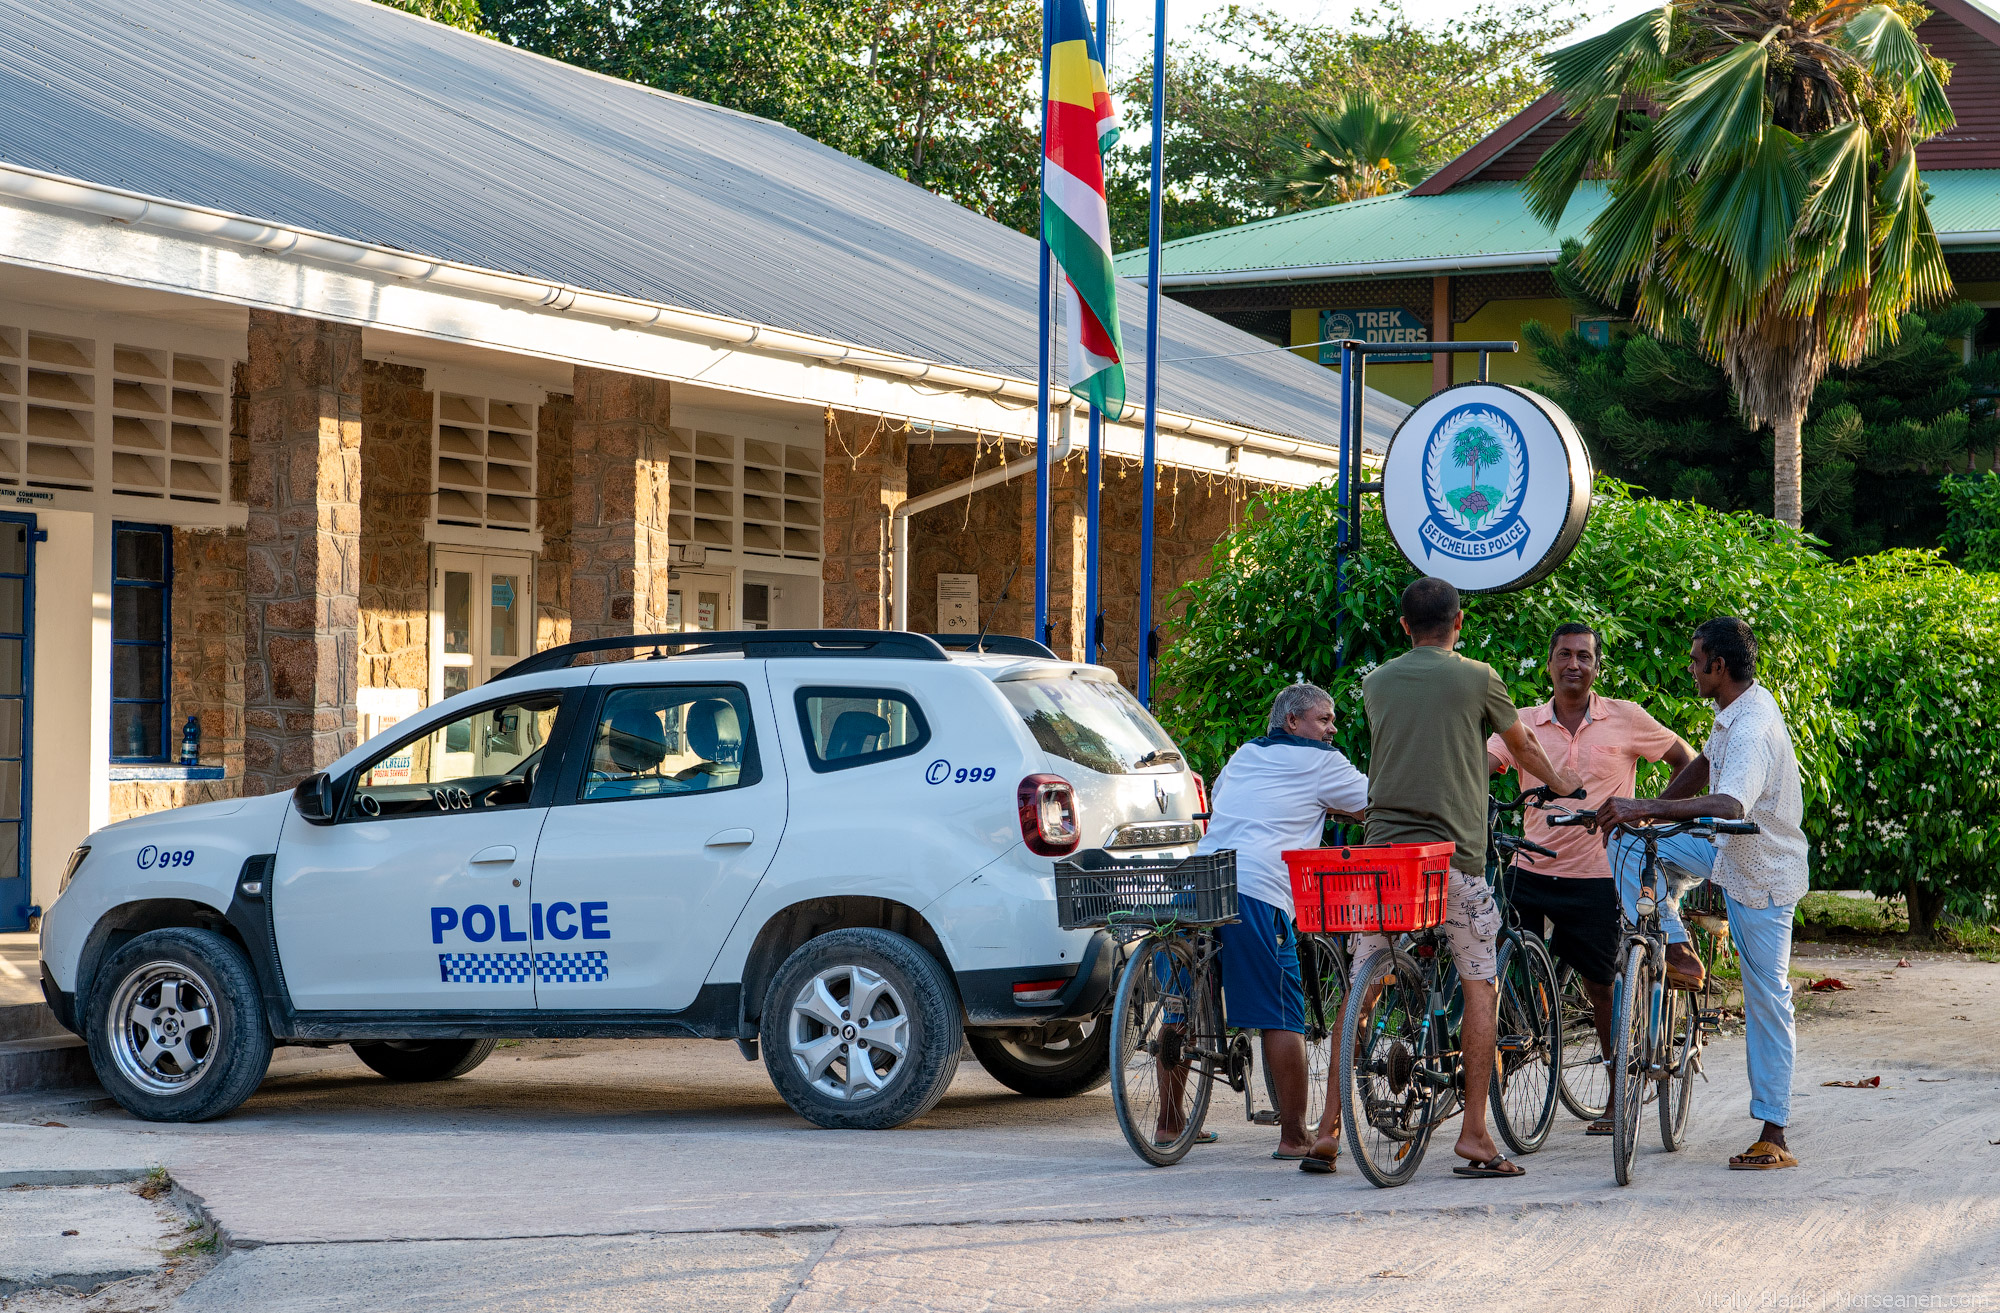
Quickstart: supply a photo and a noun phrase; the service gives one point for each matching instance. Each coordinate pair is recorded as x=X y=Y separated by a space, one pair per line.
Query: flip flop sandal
x=1602 y=1126
x=1762 y=1156
x=1320 y=1166
x=1284 y=1157
x=1492 y=1167
x=1206 y=1137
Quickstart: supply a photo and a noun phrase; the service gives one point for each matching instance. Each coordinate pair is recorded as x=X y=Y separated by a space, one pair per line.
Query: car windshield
x=1094 y=723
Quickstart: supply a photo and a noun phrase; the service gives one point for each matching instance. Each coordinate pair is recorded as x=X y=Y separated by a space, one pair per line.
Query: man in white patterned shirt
x=1750 y=771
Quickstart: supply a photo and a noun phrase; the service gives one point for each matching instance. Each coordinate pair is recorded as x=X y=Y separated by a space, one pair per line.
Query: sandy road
x=667 y=1174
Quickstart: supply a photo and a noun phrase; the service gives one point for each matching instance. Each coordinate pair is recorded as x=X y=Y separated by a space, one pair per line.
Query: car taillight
x=1200 y=798
x=1048 y=815
x=1034 y=993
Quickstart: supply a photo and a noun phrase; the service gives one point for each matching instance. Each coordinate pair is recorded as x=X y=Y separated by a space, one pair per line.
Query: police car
x=834 y=845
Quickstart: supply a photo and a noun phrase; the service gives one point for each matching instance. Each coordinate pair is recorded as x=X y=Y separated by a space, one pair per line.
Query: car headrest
x=853 y=732
x=713 y=731
x=636 y=741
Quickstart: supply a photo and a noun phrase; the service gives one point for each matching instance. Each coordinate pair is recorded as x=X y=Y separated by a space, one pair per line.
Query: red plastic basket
x=1385 y=889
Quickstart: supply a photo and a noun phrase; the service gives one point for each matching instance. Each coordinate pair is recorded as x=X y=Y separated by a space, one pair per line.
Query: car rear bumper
x=989 y=995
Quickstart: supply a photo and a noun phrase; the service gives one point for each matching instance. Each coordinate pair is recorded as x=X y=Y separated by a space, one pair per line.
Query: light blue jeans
x=1763 y=940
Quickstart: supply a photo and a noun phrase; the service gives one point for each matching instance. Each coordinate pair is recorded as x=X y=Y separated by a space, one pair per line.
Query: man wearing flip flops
x=1749 y=770
x=1429 y=712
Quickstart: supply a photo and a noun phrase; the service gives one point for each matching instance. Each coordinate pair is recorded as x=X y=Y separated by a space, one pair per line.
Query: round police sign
x=1487 y=486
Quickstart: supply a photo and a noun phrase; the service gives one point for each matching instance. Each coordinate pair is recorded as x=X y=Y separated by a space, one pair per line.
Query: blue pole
x=1093 y=466
x=1042 y=408
x=1347 y=399
x=1152 y=355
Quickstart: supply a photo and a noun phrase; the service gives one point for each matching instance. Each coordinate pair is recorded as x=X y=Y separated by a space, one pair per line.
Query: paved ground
x=611 y=1175
x=20 y=968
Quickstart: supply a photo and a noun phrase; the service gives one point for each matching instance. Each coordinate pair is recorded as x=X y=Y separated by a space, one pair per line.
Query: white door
x=482 y=617
x=698 y=601
x=417 y=897
x=655 y=841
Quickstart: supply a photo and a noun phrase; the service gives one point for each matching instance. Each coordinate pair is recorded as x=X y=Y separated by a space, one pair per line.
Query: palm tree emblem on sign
x=1472 y=447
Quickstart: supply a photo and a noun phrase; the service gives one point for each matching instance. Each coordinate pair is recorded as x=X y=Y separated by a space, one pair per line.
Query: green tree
x=1353 y=151
x=1770 y=195
x=1239 y=88
x=452 y=13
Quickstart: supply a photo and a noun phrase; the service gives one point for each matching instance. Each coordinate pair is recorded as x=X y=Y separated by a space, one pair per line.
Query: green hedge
x=1881 y=666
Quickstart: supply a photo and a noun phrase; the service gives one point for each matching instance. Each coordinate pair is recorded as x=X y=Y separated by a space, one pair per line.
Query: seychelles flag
x=1074 y=220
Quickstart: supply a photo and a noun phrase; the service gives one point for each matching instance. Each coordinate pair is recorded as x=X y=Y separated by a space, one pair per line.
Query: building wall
x=395 y=505
x=552 y=517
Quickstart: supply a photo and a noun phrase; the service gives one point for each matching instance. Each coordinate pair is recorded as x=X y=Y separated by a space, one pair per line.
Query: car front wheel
x=1067 y=1058
x=176 y=1026
x=422 y=1060
x=861 y=1030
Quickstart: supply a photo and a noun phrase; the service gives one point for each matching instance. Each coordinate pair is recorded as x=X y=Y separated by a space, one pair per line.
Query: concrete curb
x=32 y=1176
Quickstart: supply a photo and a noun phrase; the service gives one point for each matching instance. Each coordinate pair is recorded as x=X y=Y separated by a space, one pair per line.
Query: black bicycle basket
x=1099 y=889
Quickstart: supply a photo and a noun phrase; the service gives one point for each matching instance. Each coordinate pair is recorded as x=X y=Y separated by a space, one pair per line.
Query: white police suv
x=836 y=844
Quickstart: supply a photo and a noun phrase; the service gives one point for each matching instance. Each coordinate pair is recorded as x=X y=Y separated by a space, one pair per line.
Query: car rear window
x=1094 y=723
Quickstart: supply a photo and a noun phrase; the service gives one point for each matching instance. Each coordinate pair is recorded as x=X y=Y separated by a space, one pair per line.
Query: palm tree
x=1472 y=447
x=1763 y=175
x=1355 y=151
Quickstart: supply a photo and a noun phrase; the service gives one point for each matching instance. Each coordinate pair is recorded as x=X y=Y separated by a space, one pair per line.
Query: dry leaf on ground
x=1871 y=1083
x=1828 y=985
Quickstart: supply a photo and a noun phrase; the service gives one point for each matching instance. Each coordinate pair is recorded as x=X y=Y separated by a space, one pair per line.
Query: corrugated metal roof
x=1475 y=220
x=348 y=118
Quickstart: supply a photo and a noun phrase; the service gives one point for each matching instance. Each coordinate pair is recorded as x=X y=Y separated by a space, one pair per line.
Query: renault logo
x=1160 y=796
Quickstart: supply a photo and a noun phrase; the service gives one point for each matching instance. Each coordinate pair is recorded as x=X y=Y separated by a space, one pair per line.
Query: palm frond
x=1747 y=215
x=1715 y=114
x=1611 y=61
x=1892 y=52
x=1834 y=225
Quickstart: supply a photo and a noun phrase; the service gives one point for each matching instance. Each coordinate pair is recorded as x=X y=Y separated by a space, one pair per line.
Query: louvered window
x=762 y=498
x=485 y=462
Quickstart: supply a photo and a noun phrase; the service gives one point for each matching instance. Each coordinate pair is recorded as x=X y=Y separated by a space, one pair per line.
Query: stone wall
x=866 y=477
x=552 y=517
x=981 y=534
x=619 y=554
x=394 y=595
x=302 y=609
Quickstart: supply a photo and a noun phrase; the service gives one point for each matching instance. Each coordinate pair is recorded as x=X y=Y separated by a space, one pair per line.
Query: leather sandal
x=1684 y=969
x=1762 y=1156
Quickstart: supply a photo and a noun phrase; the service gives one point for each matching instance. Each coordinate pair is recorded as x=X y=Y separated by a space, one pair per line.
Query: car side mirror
x=314 y=798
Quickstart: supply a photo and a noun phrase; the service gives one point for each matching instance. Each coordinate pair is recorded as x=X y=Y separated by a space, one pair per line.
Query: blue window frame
x=142 y=576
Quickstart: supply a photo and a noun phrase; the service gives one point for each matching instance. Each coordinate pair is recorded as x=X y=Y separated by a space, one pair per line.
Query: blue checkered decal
x=485 y=968
x=572 y=968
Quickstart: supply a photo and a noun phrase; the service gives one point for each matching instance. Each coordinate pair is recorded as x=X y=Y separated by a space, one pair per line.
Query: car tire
x=424 y=1059
x=175 y=1026
x=1048 y=1065
x=814 y=1042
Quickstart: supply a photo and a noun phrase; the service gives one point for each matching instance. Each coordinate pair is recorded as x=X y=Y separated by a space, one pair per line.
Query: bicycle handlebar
x=1538 y=797
x=1513 y=843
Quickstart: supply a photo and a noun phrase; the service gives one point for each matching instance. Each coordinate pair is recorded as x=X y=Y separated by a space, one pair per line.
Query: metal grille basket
x=1096 y=889
x=1386 y=889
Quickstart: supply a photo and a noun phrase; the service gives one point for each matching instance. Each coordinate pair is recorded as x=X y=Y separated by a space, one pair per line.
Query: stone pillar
x=552 y=517
x=302 y=603
x=866 y=477
x=619 y=554
x=1069 y=560
x=396 y=483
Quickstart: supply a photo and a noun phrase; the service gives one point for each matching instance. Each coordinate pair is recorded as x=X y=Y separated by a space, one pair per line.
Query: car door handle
x=499 y=852
x=731 y=838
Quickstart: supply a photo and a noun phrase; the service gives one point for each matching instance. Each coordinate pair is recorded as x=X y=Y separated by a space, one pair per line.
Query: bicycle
x=1657 y=1033
x=1323 y=969
x=1527 y=1073
x=1169 y=1042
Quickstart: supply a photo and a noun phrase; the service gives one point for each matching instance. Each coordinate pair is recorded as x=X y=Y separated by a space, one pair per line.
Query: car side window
x=848 y=727
x=664 y=740
x=485 y=758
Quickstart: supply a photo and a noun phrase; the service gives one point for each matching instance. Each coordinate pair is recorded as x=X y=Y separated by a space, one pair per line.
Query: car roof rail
x=749 y=642
x=994 y=645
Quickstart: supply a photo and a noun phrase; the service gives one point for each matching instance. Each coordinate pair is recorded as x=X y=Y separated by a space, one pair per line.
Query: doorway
x=698 y=601
x=17 y=664
x=482 y=617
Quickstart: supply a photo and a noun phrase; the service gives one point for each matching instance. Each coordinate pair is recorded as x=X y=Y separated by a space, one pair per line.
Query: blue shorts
x=1260 y=970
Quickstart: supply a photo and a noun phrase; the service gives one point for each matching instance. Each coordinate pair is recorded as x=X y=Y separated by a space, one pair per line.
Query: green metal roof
x=1475 y=225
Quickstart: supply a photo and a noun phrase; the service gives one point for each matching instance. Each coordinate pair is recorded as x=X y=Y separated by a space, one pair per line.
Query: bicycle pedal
x=1264 y=1117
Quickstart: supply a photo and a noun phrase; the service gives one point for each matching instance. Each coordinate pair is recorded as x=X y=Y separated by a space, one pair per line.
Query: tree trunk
x=1923 y=905
x=1786 y=465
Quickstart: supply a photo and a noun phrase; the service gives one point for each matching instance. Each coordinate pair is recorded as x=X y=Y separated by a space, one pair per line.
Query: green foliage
x=1972 y=520
x=1353 y=151
x=1238 y=90
x=1888 y=669
x=452 y=13
x=1658 y=413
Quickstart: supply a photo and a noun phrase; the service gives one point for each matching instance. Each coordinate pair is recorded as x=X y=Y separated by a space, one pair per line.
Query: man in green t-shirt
x=1429 y=714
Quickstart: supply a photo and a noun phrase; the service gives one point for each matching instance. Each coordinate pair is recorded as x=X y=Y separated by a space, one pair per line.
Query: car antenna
x=979 y=643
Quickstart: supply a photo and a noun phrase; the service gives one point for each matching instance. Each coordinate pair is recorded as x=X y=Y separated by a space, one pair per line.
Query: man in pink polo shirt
x=1601 y=742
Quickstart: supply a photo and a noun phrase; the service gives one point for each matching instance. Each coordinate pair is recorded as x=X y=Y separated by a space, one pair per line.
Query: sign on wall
x=1372 y=324
x=1487 y=486
x=958 y=603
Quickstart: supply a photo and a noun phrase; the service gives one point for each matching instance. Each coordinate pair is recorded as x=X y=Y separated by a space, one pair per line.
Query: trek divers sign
x=1487 y=486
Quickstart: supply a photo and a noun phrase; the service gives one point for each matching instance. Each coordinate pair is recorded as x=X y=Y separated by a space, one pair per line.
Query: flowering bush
x=1888 y=670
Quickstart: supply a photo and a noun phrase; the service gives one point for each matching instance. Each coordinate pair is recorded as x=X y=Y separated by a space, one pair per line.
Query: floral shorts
x=1471 y=924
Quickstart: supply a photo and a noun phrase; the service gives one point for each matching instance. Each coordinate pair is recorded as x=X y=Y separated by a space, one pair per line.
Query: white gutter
x=1296 y=272
x=1987 y=238
x=899 y=528
x=135 y=208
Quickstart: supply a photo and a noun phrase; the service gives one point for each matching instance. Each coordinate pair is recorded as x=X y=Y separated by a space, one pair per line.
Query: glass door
x=482 y=616
x=697 y=601
x=17 y=654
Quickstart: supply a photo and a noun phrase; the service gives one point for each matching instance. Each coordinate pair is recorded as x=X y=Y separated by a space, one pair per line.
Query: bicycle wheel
x=1530 y=1043
x=1323 y=972
x=1159 y=1085
x=1630 y=1017
x=1586 y=1079
x=1681 y=1023
x=1388 y=1069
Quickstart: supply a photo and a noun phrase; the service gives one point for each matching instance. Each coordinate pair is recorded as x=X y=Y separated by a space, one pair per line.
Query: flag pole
x=1041 y=634
x=1093 y=461
x=1146 y=463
